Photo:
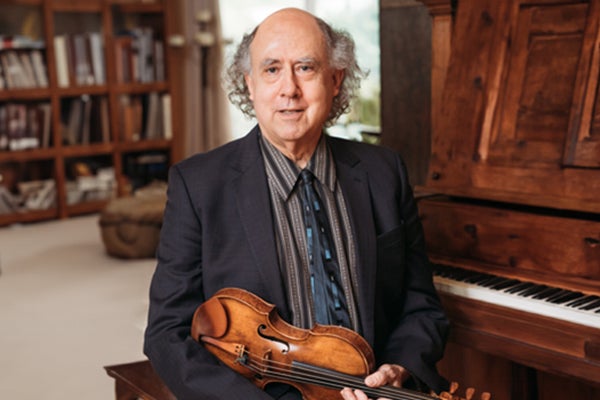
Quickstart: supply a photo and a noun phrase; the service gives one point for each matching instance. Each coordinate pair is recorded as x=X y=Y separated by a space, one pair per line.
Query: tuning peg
x=453 y=387
x=469 y=393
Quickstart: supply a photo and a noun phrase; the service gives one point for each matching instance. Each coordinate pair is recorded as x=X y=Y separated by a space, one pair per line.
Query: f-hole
x=260 y=330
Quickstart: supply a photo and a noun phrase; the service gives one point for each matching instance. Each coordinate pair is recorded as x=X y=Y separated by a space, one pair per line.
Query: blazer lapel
x=254 y=205
x=354 y=183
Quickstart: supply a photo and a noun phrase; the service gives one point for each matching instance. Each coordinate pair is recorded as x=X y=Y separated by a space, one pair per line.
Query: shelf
x=24 y=94
x=27 y=155
x=137 y=88
x=77 y=5
x=81 y=90
x=82 y=42
x=144 y=145
x=96 y=149
x=140 y=7
x=29 y=216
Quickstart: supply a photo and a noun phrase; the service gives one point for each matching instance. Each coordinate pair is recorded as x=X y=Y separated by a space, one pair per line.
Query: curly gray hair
x=340 y=46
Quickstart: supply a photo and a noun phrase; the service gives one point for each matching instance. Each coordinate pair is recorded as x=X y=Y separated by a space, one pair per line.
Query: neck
x=299 y=151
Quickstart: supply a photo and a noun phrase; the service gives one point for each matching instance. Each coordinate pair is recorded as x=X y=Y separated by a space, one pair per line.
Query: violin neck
x=303 y=373
x=338 y=380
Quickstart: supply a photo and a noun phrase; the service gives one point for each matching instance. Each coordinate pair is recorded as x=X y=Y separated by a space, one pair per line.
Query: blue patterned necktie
x=328 y=296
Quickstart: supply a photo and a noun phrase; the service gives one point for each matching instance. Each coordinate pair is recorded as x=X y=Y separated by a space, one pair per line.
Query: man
x=235 y=218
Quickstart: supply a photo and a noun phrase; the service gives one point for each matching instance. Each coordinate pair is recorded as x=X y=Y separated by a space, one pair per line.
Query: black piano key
x=519 y=287
x=546 y=293
x=506 y=284
x=490 y=282
x=535 y=289
x=478 y=277
x=560 y=298
x=581 y=301
x=590 y=304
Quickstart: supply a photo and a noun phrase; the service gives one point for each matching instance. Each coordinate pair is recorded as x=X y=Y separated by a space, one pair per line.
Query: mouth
x=290 y=111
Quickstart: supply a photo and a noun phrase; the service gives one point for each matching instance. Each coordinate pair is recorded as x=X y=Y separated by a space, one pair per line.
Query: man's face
x=291 y=83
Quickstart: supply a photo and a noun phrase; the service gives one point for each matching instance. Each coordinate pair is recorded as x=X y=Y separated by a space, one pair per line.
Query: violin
x=247 y=334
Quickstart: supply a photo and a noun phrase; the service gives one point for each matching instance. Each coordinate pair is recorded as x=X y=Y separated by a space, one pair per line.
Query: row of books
x=79 y=59
x=139 y=56
x=85 y=120
x=22 y=69
x=145 y=116
x=24 y=126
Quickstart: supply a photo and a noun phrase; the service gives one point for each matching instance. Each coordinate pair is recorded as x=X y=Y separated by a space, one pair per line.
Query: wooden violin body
x=248 y=335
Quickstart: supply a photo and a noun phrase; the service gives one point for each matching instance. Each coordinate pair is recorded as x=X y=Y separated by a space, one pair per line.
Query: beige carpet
x=66 y=310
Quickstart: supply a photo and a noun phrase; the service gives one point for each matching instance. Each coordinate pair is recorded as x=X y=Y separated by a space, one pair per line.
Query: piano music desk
x=138 y=380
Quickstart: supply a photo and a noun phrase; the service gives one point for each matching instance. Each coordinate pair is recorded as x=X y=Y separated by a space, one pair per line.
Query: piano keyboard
x=525 y=296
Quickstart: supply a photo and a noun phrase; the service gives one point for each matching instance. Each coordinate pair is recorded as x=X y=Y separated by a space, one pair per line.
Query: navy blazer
x=218 y=231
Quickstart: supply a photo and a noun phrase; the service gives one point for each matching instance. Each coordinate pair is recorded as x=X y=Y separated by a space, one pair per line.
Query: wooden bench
x=138 y=380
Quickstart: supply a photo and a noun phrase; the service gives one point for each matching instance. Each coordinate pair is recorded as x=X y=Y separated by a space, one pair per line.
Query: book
x=39 y=68
x=84 y=135
x=62 y=64
x=46 y=124
x=3 y=128
x=97 y=57
x=81 y=61
x=167 y=126
x=17 y=126
x=29 y=80
x=73 y=125
x=152 y=129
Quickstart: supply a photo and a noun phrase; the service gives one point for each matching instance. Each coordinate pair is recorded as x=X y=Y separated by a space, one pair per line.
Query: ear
x=248 y=79
x=338 y=78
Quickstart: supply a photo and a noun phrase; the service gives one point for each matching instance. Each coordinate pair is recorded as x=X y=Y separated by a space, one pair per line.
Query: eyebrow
x=302 y=60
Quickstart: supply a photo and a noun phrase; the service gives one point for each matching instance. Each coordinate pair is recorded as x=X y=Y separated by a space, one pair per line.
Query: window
x=359 y=17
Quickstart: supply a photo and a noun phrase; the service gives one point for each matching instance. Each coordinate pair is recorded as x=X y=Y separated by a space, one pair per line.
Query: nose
x=289 y=84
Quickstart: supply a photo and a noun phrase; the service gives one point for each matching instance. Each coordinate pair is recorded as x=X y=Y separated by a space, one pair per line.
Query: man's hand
x=387 y=374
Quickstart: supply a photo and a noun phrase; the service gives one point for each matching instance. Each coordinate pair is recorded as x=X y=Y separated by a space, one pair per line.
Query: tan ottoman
x=130 y=226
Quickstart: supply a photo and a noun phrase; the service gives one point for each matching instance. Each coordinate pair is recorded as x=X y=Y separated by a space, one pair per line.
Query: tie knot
x=307 y=176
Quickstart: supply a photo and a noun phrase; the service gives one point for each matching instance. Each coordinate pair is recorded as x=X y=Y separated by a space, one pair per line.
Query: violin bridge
x=266 y=358
x=242 y=355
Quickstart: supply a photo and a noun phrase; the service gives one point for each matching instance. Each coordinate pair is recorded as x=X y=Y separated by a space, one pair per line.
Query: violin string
x=334 y=379
x=327 y=381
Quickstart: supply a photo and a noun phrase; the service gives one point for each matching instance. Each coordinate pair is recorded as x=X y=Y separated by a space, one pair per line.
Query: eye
x=306 y=68
x=271 y=70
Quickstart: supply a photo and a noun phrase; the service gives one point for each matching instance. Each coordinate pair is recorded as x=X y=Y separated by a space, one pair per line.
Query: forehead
x=288 y=37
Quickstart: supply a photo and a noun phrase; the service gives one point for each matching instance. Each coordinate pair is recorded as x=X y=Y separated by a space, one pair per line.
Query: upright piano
x=511 y=206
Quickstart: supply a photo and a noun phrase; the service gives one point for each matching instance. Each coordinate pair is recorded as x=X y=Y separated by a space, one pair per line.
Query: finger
x=360 y=395
x=348 y=394
x=377 y=378
x=387 y=374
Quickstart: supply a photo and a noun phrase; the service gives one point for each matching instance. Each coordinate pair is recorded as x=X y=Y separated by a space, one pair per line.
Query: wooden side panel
x=518 y=96
x=533 y=116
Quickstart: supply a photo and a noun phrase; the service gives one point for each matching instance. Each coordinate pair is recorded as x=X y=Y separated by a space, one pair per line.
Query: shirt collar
x=283 y=170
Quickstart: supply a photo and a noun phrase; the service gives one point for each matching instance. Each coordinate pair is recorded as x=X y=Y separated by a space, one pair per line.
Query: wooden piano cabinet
x=515 y=356
x=507 y=380
x=546 y=246
x=515 y=150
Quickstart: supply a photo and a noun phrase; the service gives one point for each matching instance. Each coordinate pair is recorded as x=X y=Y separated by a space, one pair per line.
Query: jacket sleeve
x=419 y=327
x=176 y=290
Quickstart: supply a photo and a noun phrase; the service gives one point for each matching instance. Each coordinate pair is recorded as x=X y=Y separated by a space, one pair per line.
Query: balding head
x=340 y=55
